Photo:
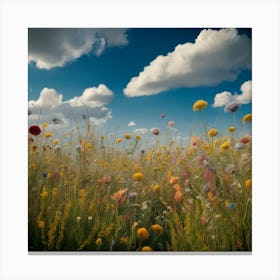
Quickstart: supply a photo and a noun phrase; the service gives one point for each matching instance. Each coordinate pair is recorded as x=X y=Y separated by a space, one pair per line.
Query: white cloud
x=226 y=97
x=140 y=130
x=51 y=108
x=131 y=124
x=54 y=47
x=215 y=56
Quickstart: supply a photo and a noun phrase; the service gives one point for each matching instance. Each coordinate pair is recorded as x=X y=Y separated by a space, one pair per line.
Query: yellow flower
x=44 y=193
x=146 y=249
x=89 y=146
x=200 y=105
x=48 y=134
x=231 y=129
x=54 y=192
x=138 y=137
x=225 y=145
x=55 y=142
x=142 y=233
x=45 y=125
x=127 y=136
x=41 y=224
x=247 y=118
x=156 y=188
x=118 y=140
x=33 y=166
x=248 y=183
x=138 y=176
x=98 y=241
x=212 y=132
x=157 y=228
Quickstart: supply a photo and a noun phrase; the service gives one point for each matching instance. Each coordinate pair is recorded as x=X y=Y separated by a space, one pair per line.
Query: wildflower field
x=97 y=192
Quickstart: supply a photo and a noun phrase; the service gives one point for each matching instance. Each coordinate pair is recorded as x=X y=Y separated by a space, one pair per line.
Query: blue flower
x=44 y=174
x=232 y=206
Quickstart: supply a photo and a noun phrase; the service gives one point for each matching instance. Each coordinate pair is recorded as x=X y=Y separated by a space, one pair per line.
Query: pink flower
x=171 y=123
x=155 y=131
x=106 y=179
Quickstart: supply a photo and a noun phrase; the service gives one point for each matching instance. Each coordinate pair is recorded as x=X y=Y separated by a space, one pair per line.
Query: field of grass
x=102 y=193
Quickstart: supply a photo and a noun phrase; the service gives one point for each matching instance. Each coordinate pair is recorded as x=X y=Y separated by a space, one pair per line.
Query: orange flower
x=120 y=196
x=146 y=249
x=174 y=180
x=177 y=187
x=248 y=183
x=142 y=233
x=157 y=228
x=178 y=196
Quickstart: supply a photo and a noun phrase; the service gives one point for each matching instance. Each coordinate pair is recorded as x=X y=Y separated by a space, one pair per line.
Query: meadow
x=95 y=192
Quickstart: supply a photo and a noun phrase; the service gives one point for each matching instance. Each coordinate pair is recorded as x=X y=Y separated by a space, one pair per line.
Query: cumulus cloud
x=54 y=47
x=51 y=108
x=140 y=130
x=215 y=56
x=131 y=124
x=224 y=98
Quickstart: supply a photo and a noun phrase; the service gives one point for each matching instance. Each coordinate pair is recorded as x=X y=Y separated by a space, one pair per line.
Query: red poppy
x=34 y=130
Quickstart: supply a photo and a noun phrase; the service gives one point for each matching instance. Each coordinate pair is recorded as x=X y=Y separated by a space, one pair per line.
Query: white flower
x=78 y=219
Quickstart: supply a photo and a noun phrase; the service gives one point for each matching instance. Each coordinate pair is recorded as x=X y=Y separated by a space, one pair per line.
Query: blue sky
x=69 y=61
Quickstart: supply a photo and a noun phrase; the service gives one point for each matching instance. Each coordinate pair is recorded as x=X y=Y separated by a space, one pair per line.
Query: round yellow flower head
x=127 y=136
x=157 y=228
x=48 y=134
x=55 y=142
x=212 y=132
x=138 y=176
x=118 y=140
x=146 y=249
x=225 y=145
x=156 y=188
x=231 y=129
x=248 y=183
x=45 y=125
x=247 y=118
x=142 y=233
x=138 y=137
x=199 y=105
